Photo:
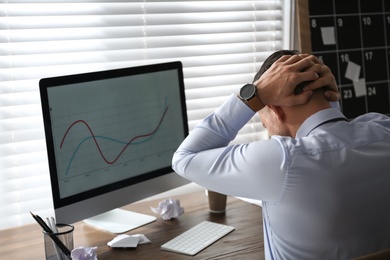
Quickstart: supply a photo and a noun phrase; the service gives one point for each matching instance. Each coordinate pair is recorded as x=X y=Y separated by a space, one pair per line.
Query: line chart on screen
x=133 y=141
x=102 y=144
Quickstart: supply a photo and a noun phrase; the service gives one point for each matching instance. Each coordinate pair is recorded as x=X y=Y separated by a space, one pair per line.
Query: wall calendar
x=352 y=37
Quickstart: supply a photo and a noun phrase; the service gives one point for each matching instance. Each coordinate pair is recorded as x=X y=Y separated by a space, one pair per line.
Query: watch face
x=247 y=91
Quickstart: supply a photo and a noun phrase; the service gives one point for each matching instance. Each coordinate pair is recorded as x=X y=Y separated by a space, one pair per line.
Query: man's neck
x=295 y=116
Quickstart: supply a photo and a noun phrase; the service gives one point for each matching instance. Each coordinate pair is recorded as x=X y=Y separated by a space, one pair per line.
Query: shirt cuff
x=235 y=112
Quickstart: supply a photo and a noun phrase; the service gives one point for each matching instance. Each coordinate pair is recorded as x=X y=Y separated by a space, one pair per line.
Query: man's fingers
x=312 y=58
x=332 y=95
x=325 y=80
x=283 y=58
x=300 y=62
x=318 y=68
x=307 y=76
x=299 y=99
x=292 y=59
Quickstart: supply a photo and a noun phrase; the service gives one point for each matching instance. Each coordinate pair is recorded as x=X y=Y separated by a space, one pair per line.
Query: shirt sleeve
x=253 y=170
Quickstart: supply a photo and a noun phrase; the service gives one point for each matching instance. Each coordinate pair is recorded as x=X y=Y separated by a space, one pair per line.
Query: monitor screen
x=111 y=135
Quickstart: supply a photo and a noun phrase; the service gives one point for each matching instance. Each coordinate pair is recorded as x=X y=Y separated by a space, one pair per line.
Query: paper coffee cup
x=217 y=201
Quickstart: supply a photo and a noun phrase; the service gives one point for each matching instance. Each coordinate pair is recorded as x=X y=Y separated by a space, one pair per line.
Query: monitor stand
x=119 y=220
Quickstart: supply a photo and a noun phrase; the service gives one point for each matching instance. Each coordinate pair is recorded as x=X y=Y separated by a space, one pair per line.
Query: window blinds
x=220 y=43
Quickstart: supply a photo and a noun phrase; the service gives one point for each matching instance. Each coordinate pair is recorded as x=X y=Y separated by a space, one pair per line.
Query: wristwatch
x=249 y=96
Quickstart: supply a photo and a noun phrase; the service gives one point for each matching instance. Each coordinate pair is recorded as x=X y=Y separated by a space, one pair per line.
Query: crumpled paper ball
x=84 y=253
x=169 y=209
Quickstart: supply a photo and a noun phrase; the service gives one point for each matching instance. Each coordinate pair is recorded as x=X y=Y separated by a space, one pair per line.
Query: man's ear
x=278 y=111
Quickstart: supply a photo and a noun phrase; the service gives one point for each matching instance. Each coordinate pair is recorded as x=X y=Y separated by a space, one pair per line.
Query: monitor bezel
x=101 y=193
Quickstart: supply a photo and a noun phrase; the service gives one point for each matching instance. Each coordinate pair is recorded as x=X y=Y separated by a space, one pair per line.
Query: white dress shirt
x=325 y=193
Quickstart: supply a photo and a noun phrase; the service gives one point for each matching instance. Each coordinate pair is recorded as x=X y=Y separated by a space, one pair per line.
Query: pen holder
x=65 y=235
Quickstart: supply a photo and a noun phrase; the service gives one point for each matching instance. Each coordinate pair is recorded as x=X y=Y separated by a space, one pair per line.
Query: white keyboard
x=197 y=238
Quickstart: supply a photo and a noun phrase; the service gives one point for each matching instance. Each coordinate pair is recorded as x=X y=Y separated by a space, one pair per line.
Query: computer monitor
x=110 y=137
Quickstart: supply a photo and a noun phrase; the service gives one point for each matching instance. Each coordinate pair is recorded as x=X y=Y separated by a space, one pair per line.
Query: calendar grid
x=352 y=37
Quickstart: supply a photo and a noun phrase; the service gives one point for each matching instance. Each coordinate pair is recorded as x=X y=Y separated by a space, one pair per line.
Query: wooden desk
x=245 y=242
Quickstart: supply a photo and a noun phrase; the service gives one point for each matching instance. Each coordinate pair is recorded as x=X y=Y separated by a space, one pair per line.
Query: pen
x=47 y=229
x=51 y=223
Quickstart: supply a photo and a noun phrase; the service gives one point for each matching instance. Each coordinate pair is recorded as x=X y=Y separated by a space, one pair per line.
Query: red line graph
x=97 y=144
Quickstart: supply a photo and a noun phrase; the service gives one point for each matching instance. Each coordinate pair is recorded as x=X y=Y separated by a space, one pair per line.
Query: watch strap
x=255 y=103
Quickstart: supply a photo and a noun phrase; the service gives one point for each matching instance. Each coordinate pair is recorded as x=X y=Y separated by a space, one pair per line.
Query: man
x=324 y=181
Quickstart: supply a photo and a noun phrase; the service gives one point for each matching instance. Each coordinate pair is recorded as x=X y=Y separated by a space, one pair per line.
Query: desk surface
x=246 y=240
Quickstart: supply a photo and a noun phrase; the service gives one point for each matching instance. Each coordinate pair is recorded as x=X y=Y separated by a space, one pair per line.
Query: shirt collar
x=318 y=119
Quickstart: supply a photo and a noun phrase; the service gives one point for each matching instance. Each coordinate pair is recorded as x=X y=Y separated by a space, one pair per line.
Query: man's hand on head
x=326 y=79
x=276 y=86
